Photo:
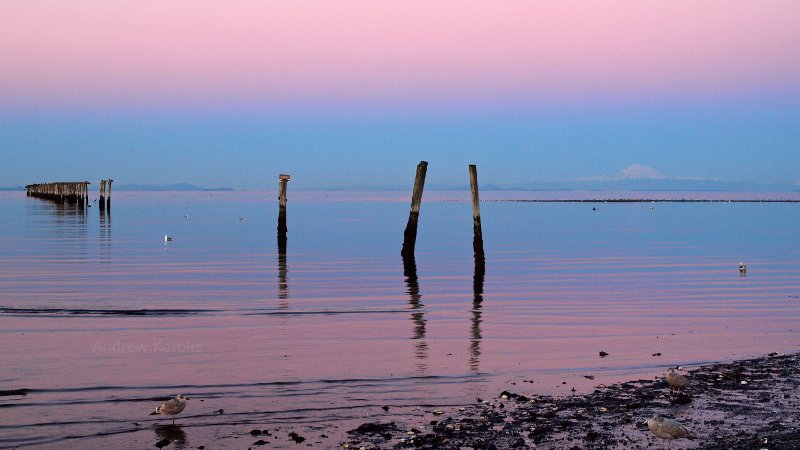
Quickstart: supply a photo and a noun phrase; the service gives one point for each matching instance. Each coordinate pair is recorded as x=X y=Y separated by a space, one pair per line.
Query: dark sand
x=750 y=404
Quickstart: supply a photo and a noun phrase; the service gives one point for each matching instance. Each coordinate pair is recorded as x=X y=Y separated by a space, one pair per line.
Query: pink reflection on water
x=336 y=336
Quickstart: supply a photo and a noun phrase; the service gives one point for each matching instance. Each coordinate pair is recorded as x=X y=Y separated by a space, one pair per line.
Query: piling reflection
x=417 y=315
x=283 y=284
x=477 y=303
x=105 y=235
x=172 y=433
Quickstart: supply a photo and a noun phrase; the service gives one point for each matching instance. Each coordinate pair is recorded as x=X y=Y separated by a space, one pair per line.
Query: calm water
x=100 y=318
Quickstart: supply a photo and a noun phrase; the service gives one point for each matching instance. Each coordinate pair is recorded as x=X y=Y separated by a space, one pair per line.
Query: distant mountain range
x=167 y=187
x=641 y=184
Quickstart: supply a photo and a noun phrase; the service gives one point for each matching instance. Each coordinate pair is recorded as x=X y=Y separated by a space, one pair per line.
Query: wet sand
x=749 y=404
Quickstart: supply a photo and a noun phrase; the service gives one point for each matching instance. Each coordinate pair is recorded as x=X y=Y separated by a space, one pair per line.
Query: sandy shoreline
x=748 y=404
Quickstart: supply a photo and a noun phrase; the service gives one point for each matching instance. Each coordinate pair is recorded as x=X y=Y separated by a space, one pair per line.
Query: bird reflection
x=477 y=302
x=417 y=316
x=283 y=284
x=172 y=433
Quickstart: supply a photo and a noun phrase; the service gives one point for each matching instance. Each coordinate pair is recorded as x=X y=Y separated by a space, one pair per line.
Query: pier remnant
x=102 y=194
x=477 y=240
x=108 y=194
x=61 y=191
x=410 y=234
x=283 y=180
x=283 y=285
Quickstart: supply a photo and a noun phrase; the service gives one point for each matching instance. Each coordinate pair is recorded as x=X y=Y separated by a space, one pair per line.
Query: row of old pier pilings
x=63 y=191
x=76 y=192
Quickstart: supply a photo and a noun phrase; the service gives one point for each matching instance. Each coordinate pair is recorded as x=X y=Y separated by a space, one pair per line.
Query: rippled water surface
x=100 y=318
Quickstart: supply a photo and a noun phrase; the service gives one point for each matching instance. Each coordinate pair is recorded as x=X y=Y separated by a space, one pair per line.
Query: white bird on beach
x=742 y=268
x=668 y=429
x=676 y=379
x=171 y=407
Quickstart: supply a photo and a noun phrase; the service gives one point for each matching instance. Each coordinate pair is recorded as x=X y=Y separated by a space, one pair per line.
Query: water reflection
x=105 y=236
x=417 y=315
x=172 y=433
x=283 y=284
x=477 y=302
x=68 y=219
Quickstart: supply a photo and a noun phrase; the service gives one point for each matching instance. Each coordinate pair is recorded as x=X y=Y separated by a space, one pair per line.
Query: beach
x=746 y=404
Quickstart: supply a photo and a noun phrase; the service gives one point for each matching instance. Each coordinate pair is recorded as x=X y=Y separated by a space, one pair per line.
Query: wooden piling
x=102 y=202
x=479 y=274
x=108 y=194
x=477 y=240
x=410 y=234
x=283 y=180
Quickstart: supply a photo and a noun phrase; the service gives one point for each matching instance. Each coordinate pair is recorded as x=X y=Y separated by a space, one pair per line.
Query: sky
x=355 y=93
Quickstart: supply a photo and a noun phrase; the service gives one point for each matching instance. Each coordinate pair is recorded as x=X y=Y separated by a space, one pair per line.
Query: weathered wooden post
x=480 y=271
x=85 y=193
x=283 y=180
x=102 y=194
x=477 y=240
x=108 y=194
x=283 y=284
x=410 y=235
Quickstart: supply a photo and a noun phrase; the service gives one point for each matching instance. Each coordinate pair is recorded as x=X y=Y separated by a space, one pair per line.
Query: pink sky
x=152 y=52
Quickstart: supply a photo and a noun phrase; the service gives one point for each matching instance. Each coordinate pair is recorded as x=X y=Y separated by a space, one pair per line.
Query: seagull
x=742 y=268
x=171 y=407
x=676 y=379
x=668 y=429
x=167 y=238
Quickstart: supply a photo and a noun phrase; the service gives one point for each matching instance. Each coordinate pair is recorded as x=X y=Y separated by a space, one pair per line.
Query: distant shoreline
x=646 y=200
